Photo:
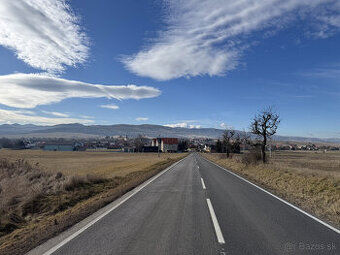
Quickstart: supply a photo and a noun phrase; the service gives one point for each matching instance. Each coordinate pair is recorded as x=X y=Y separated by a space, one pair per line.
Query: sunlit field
x=106 y=164
x=308 y=162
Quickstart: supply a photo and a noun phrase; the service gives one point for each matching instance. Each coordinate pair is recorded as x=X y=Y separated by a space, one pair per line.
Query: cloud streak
x=30 y=90
x=13 y=116
x=330 y=72
x=45 y=34
x=142 y=118
x=208 y=37
x=110 y=106
x=58 y=114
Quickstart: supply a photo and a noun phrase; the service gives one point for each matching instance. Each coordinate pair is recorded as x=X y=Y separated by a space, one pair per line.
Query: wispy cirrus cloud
x=22 y=117
x=331 y=72
x=208 y=37
x=110 y=106
x=45 y=34
x=30 y=90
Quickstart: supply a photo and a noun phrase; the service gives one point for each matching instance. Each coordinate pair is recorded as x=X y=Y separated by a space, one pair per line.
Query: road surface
x=196 y=207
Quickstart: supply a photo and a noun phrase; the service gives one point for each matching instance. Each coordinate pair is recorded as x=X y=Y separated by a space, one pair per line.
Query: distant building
x=59 y=146
x=207 y=148
x=128 y=149
x=166 y=144
x=63 y=146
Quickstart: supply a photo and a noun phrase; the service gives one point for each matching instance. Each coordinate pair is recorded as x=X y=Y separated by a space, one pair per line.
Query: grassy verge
x=316 y=193
x=55 y=201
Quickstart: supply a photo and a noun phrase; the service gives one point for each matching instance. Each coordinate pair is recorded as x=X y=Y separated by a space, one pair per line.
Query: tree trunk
x=264 y=143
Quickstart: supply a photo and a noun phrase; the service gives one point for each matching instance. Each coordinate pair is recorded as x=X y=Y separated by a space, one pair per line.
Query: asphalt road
x=197 y=207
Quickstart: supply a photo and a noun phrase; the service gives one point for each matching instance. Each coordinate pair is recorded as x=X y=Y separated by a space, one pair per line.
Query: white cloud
x=110 y=106
x=208 y=37
x=182 y=125
x=194 y=126
x=142 y=119
x=25 y=112
x=225 y=126
x=86 y=116
x=12 y=116
x=58 y=114
x=29 y=90
x=45 y=34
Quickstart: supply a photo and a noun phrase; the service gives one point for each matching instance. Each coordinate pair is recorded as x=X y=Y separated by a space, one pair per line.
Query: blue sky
x=191 y=63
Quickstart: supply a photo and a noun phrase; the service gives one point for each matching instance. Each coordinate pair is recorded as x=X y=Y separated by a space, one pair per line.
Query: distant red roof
x=168 y=140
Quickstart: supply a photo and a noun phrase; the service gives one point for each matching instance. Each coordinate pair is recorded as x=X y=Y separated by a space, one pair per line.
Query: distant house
x=207 y=148
x=62 y=146
x=128 y=149
x=166 y=144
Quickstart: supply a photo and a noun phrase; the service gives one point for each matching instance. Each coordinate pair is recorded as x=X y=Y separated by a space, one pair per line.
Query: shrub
x=75 y=182
x=251 y=157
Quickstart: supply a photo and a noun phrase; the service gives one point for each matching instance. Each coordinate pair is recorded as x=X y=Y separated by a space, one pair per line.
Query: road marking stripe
x=134 y=192
x=203 y=185
x=218 y=231
x=280 y=199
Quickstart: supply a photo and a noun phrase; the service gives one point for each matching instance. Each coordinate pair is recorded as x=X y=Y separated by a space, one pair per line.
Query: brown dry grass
x=308 y=162
x=37 y=204
x=106 y=164
x=308 y=179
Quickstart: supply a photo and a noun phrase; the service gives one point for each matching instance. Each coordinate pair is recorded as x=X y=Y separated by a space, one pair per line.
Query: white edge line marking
x=139 y=188
x=203 y=185
x=218 y=231
x=280 y=199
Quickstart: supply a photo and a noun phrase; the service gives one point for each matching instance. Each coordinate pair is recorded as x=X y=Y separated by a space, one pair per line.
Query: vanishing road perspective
x=197 y=207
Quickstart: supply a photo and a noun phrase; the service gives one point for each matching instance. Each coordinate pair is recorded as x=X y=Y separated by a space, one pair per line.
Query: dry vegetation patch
x=37 y=204
x=105 y=164
x=308 y=179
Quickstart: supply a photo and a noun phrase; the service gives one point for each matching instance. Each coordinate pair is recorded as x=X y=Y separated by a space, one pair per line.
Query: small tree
x=219 y=146
x=183 y=145
x=265 y=125
x=227 y=136
x=236 y=144
x=139 y=142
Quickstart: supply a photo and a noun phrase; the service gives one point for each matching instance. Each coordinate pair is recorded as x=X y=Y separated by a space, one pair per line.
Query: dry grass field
x=104 y=164
x=310 y=180
x=308 y=162
x=43 y=193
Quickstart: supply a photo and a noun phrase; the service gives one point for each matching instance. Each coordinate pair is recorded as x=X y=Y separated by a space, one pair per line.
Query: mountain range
x=83 y=131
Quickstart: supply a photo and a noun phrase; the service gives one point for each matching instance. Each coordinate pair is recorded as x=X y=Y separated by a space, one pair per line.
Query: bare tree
x=227 y=136
x=265 y=125
x=139 y=142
